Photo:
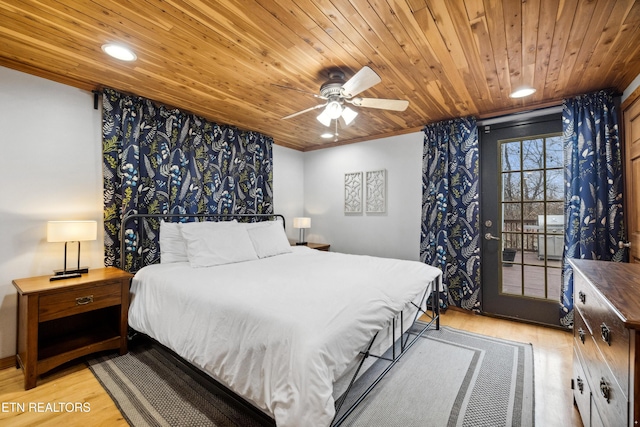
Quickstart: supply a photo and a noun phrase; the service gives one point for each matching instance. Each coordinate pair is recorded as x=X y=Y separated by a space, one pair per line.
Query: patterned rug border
x=227 y=409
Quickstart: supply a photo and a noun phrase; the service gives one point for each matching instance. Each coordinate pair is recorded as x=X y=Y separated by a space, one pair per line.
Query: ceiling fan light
x=348 y=115
x=326 y=135
x=120 y=52
x=324 y=118
x=522 y=91
x=334 y=109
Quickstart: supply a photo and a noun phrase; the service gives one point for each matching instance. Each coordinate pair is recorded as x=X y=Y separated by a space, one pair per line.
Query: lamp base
x=64 y=276
x=301 y=243
x=80 y=270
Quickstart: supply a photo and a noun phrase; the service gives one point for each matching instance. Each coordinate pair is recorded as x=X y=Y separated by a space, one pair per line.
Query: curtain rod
x=517 y=116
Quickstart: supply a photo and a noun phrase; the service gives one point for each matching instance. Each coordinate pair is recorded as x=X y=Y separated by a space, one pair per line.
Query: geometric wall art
x=376 y=188
x=353 y=193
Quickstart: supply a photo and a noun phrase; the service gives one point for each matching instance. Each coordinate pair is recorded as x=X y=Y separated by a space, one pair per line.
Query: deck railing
x=512 y=230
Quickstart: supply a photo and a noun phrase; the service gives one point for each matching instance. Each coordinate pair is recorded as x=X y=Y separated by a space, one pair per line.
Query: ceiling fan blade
x=362 y=80
x=315 y=95
x=304 y=111
x=383 y=104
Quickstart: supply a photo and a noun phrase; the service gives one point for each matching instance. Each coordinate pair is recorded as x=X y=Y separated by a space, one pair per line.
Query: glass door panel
x=525 y=220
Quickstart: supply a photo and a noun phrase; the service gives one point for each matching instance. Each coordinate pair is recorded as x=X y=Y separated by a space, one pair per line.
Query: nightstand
x=62 y=320
x=318 y=246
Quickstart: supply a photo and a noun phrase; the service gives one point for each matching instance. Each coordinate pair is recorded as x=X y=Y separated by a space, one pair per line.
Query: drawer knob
x=84 y=300
x=605 y=332
x=581 y=334
x=580 y=385
x=605 y=390
x=582 y=297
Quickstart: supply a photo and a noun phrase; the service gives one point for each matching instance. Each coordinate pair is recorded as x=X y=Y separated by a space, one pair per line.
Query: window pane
x=511 y=156
x=555 y=208
x=511 y=213
x=555 y=154
x=534 y=281
x=511 y=187
x=533 y=185
x=512 y=279
x=532 y=213
x=532 y=154
x=555 y=184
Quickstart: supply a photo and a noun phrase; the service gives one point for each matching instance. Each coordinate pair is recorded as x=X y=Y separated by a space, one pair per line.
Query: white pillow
x=209 y=246
x=173 y=247
x=268 y=238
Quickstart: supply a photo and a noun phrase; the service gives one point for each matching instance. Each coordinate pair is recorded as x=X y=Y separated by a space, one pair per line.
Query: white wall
x=51 y=166
x=288 y=188
x=394 y=234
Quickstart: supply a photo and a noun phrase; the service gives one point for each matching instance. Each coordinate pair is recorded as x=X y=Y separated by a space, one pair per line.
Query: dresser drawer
x=79 y=300
x=581 y=390
x=608 y=331
x=607 y=395
x=582 y=337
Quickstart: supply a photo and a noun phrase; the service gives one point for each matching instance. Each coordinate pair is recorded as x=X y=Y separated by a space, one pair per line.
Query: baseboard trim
x=8 y=362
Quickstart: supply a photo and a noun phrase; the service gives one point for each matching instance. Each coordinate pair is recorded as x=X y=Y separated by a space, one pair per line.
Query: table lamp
x=71 y=231
x=301 y=223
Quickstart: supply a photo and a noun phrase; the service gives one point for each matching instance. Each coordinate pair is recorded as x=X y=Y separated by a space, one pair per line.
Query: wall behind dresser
x=51 y=163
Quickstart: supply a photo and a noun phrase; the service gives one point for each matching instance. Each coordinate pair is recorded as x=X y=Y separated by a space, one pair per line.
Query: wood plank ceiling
x=226 y=60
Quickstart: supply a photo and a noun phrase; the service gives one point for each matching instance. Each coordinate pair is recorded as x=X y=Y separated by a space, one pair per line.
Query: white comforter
x=280 y=330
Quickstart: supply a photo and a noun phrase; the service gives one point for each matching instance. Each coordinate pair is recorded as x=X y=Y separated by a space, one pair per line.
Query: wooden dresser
x=606 y=349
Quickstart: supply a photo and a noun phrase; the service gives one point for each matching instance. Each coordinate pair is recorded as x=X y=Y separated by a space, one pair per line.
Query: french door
x=522 y=205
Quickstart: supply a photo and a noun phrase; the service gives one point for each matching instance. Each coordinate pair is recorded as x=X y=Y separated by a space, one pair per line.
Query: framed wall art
x=353 y=193
x=376 y=189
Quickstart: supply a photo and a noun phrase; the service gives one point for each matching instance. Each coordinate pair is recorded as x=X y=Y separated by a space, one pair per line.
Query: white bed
x=278 y=330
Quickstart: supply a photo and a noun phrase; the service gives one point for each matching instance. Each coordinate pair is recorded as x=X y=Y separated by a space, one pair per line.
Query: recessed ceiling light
x=523 y=91
x=327 y=135
x=119 y=52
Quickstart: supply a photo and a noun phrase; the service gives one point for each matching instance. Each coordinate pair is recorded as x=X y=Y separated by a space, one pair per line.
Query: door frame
x=493 y=302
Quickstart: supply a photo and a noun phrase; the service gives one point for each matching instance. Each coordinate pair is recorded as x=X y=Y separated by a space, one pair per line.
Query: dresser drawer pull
x=582 y=297
x=581 y=334
x=580 y=385
x=605 y=390
x=84 y=300
x=605 y=332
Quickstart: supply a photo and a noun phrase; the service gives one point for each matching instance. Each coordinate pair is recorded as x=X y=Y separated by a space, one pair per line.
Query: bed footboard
x=398 y=349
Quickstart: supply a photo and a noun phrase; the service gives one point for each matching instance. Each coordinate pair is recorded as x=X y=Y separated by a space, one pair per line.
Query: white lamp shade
x=302 y=222
x=324 y=118
x=71 y=231
x=348 y=115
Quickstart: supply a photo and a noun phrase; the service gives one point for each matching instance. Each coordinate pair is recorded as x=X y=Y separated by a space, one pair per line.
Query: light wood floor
x=76 y=384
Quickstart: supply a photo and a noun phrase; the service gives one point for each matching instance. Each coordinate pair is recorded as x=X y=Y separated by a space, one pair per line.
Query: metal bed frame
x=398 y=349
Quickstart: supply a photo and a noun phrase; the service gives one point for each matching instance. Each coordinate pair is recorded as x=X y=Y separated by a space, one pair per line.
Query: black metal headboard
x=150 y=224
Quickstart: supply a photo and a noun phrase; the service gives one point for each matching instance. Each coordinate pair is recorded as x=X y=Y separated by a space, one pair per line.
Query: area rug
x=449 y=378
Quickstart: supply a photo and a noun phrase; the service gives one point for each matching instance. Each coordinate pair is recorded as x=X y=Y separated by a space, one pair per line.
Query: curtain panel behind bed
x=159 y=160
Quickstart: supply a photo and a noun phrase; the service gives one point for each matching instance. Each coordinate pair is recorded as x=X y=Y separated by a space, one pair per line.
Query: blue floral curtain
x=162 y=160
x=593 y=175
x=450 y=237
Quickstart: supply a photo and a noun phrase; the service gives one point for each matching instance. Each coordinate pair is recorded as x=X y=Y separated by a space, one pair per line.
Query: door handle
x=489 y=236
x=623 y=245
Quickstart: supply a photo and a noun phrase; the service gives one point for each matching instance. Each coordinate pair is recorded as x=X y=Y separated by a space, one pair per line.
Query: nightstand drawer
x=75 y=301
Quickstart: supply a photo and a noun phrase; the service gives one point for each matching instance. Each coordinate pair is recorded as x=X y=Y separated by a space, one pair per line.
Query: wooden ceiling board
x=229 y=60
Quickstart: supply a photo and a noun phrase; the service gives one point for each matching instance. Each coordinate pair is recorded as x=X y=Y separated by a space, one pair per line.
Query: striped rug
x=449 y=378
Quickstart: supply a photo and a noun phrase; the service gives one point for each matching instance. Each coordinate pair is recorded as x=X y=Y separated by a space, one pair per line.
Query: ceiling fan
x=337 y=92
